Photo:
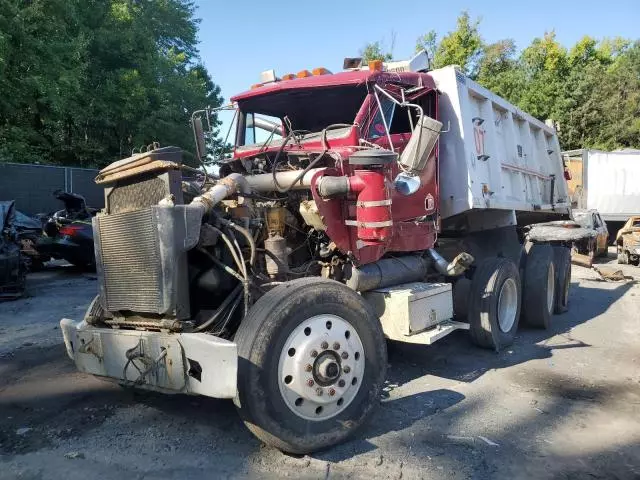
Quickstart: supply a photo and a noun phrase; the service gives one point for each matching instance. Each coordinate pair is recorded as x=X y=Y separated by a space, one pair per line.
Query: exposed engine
x=182 y=254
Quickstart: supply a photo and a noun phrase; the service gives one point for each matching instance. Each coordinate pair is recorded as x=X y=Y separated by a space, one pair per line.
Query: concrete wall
x=32 y=186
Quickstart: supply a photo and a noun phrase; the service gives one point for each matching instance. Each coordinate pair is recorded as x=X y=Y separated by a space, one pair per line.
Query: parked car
x=29 y=232
x=628 y=242
x=596 y=245
x=13 y=267
x=68 y=233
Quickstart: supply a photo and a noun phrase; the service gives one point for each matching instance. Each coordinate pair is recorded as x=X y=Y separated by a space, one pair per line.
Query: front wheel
x=312 y=363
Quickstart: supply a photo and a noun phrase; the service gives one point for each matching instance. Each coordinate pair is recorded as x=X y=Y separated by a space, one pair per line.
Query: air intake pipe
x=224 y=188
x=370 y=184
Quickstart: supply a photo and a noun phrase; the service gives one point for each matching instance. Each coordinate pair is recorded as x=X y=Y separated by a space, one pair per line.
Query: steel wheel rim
x=551 y=282
x=507 y=305
x=321 y=367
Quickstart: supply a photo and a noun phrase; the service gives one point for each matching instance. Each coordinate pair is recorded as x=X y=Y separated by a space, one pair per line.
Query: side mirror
x=198 y=132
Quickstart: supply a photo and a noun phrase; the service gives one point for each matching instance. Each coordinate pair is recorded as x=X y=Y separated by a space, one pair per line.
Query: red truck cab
x=356 y=107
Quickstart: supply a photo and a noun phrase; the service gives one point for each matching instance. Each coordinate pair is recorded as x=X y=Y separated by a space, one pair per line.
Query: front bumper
x=191 y=363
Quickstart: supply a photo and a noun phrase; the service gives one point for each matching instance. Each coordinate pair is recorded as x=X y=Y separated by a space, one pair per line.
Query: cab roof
x=355 y=78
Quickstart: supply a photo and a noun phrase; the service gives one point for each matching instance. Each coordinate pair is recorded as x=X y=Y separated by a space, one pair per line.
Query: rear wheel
x=494 y=303
x=312 y=362
x=538 y=298
x=562 y=261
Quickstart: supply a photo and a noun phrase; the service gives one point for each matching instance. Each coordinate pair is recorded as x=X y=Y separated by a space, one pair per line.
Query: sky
x=241 y=38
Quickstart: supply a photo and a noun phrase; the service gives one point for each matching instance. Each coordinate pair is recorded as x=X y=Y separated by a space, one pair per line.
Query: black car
x=68 y=233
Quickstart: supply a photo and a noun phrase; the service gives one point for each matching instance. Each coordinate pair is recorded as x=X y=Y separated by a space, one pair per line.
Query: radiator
x=130 y=261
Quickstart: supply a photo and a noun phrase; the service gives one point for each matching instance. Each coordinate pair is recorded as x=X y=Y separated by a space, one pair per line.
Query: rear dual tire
x=497 y=296
x=539 y=286
x=494 y=303
x=562 y=262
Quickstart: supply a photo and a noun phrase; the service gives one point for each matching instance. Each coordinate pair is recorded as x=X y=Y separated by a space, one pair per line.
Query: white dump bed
x=605 y=181
x=494 y=156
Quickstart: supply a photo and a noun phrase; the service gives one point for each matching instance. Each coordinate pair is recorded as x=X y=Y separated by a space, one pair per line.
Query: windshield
x=308 y=110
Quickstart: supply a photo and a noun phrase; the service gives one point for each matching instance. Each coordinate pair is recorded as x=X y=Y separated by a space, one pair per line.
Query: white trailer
x=608 y=182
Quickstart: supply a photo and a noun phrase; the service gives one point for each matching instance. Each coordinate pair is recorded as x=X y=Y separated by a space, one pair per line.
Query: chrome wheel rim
x=321 y=367
x=551 y=282
x=507 y=305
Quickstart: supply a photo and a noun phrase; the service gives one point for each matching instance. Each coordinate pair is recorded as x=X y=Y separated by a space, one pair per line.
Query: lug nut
x=314 y=353
x=310 y=382
x=336 y=346
x=324 y=345
x=308 y=368
x=346 y=369
x=341 y=383
x=332 y=392
x=345 y=355
x=319 y=391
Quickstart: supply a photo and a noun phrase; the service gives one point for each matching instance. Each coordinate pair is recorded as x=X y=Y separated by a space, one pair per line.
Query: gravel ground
x=558 y=404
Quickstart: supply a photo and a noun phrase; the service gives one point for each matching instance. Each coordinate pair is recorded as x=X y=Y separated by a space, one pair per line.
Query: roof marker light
x=256 y=85
x=303 y=74
x=375 y=65
x=320 y=71
x=288 y=76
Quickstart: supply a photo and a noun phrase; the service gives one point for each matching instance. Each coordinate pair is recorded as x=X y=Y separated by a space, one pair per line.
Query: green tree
x=375 y=51
x=544 y=64
x=89 y=80
x=429 y=43
x=498 y=70
x=462 y=47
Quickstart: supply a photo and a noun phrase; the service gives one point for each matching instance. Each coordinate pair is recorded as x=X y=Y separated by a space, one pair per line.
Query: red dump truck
x=381 y=202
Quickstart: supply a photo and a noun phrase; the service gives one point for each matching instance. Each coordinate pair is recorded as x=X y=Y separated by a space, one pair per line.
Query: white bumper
x=194 y=363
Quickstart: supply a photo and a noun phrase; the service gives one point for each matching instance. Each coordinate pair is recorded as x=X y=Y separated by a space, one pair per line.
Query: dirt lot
x=560 y=404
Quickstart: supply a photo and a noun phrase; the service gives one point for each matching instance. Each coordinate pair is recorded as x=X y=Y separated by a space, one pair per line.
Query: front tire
x=494 y=303
x=312 y=363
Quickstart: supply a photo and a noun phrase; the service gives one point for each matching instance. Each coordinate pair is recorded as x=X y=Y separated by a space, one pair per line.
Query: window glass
x=250 y=130
x=397 y=119
x=376 y=128
x=260 y=128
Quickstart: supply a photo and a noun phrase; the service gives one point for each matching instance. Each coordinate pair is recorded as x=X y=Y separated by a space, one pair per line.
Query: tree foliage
x=591 y=90
x=375 y=51
x=86 y=81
